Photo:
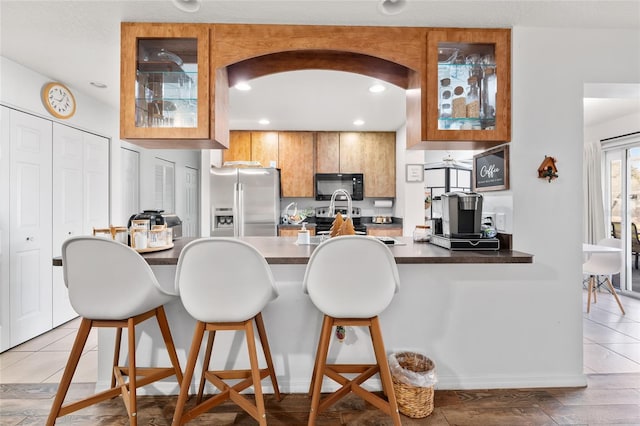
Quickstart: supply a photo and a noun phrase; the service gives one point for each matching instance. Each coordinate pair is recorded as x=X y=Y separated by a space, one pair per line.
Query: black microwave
x=327 y=183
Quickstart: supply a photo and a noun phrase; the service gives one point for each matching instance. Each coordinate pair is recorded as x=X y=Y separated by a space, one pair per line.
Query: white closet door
x=191 y=218
x=30 y=224
x=67 y=183
x=81 y=198
x=96 y=182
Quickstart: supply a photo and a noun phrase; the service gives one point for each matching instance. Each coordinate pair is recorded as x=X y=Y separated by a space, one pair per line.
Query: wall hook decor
x=548 y=169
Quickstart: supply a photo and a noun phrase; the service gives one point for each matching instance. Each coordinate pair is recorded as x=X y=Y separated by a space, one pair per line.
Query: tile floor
x=30 y=372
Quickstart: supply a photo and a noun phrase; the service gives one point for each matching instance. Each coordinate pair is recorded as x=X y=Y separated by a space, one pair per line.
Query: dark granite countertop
x=284 y=250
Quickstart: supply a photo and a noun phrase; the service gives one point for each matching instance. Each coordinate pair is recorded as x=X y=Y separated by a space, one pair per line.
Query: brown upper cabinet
x=370 y=153
x=165 y=85
x=379 y=164
x=167 y=105
x=295 y=159
x=468 y=85
x=252 y=146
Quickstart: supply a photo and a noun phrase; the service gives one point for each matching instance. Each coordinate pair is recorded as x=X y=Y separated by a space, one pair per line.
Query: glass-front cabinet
x=468 y=85
x=165 y=82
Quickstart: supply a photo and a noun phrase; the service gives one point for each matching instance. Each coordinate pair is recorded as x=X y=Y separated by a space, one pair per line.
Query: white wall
x=616 y=127
x=20 y=88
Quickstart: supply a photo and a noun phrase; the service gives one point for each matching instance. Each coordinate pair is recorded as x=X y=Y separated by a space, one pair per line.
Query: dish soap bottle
x=303 y=234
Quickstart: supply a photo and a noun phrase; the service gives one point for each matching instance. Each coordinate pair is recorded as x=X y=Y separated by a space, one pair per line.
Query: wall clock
x=59 y=100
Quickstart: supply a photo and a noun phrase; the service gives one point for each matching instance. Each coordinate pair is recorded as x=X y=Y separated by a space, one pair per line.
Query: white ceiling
x=78 y=41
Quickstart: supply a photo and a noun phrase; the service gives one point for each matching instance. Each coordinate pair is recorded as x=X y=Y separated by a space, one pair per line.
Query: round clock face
x=59 y=100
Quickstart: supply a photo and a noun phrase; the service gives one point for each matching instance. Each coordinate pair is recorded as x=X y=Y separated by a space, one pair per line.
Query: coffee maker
x=461 y=214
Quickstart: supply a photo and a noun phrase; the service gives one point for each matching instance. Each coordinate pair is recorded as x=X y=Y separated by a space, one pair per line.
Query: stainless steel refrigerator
x=245 y=202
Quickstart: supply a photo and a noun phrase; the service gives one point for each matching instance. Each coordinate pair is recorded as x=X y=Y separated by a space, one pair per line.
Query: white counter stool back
x=351 y=280
x=111 y=285
x=603 y=264
x=225 y=284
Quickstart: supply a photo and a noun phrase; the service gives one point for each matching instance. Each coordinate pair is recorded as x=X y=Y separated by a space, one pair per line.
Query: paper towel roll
x=383 y=203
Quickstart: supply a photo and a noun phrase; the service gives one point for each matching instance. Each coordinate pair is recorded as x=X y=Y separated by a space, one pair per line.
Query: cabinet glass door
x=468 y=85
x=166 y=89
x=164 y=86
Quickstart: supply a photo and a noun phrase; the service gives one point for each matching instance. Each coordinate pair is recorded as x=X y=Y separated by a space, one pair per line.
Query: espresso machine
x=461 y=214
x=461 y=223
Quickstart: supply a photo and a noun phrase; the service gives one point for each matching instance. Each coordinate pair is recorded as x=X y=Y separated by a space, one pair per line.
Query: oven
x=324 y=219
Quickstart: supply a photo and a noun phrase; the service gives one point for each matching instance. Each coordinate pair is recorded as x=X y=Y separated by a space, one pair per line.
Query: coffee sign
x=491 y=169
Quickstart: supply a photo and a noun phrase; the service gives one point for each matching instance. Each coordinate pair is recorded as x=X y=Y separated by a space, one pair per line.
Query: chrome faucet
x=332 y=204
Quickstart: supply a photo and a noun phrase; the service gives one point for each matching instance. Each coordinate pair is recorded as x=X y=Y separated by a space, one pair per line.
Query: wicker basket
x=413 y=401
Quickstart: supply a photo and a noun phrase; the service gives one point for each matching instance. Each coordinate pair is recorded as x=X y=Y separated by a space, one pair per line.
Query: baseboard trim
x=444 y=383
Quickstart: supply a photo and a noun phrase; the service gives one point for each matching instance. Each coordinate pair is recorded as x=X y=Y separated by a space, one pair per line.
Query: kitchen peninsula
x=449 y=302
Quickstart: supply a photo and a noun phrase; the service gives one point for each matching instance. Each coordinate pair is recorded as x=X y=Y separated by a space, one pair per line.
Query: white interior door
x=30 y=225
x=96 y=182
x=68 y=204
x=81 y=198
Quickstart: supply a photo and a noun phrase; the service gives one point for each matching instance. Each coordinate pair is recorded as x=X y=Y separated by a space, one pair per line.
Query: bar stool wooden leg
x=321 y=361
x=131 y=394
x=198 y=335
x=163 y=324
x=589 y=293
x=69 y=370
x=613 y=291
x=385 y=373
x=315 y=364
x=255 y=374
x=205 y=365
x=116 y=355
x=262 y=334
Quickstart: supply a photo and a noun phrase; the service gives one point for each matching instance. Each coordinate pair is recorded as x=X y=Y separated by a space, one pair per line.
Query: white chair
x=111 y=285
x=603 y=264
x=224 y=284
x=351 y=280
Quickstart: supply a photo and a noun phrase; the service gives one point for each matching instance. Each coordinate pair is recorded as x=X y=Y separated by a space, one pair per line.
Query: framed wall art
x=415 y=173
x=491 y=169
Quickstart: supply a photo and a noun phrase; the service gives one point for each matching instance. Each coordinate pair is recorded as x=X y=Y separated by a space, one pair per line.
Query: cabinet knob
x=30 y=238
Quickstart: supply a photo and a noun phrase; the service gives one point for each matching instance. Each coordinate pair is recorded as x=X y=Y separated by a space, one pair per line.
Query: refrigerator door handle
x=236 y=208
x=240 y=210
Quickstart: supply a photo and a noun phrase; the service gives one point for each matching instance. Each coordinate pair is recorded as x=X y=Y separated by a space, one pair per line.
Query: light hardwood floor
x=30 y=372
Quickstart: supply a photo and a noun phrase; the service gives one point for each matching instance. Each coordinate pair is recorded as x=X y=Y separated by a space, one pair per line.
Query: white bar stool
x=351 y=280
x=111 y=285
x=225 y=284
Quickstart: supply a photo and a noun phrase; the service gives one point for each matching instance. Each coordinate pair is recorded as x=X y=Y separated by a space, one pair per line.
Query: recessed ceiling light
x=377 y=88
x=98 y=84
x=243 y=85
x=358 y=122
x=264 y=121
x=188 y=5
x=392 y=7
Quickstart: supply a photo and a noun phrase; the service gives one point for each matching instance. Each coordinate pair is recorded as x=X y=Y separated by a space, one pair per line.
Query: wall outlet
x=491 y=215
x=500 y=222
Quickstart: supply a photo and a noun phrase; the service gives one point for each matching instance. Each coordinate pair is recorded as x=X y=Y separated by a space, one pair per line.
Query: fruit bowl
x=296 y=219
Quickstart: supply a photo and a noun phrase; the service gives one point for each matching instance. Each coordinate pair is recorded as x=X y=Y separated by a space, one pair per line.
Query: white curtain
x=593 y=209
